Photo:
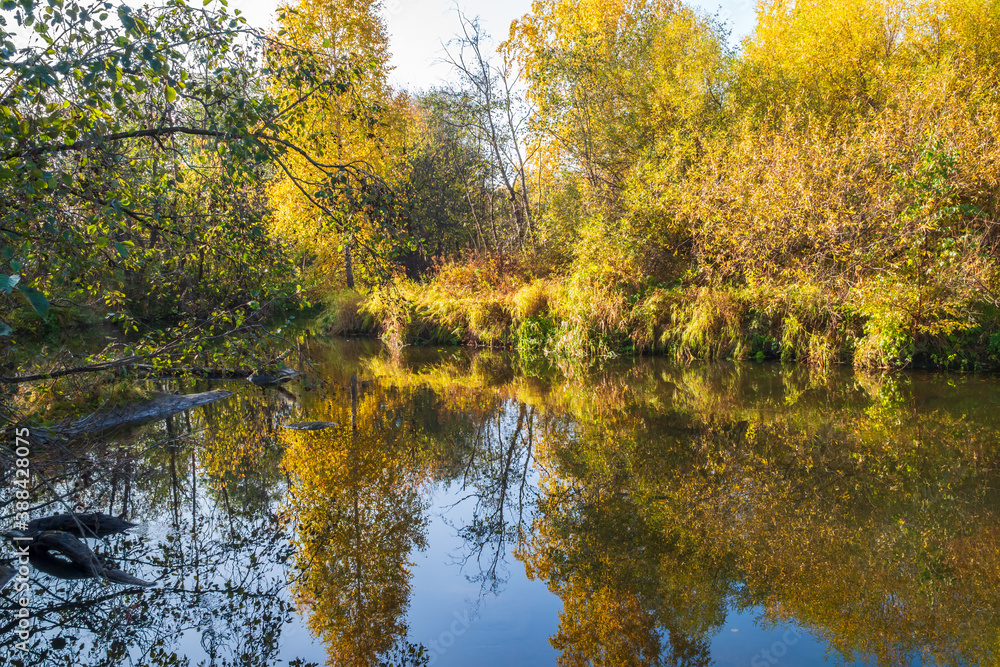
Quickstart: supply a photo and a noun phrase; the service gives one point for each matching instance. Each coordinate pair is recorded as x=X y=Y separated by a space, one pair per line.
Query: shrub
x=343 y=314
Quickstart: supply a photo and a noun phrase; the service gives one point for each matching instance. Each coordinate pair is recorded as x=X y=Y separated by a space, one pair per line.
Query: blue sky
x=417 y=28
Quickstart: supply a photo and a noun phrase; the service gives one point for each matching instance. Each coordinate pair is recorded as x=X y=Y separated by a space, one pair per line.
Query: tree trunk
x=348 y=266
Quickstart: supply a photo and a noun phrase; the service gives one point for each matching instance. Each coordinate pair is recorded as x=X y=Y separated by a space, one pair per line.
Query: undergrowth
x=572 y=319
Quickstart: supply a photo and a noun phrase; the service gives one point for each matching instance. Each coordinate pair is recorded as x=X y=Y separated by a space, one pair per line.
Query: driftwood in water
x=146 y=371
x=283 y=375
x=64 y=556
x=311 y=426
x=160 y=407
x=78 y=560
x=95 y=524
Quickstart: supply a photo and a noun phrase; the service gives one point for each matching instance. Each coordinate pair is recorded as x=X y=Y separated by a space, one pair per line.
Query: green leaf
x=5 y=329
x=171 y=94
x=36 y=299
x=7 y=283
x=122 y=249
x=101 y=242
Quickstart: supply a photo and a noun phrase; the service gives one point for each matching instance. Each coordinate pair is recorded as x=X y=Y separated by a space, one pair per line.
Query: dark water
x=469 y=509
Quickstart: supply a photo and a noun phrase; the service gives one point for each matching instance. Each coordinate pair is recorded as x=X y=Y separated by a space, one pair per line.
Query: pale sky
x=418 y=27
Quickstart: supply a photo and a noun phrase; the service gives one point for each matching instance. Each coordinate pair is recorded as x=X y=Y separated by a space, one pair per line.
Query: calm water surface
x=471 y=509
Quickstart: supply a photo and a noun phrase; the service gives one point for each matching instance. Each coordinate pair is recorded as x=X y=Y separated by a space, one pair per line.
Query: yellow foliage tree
x=618 y=85
x=357 y=122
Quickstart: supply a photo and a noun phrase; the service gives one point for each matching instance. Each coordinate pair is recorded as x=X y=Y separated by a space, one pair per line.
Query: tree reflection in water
x=358 y=514
x=218 y=566
x=862 y=509
x=653 y=500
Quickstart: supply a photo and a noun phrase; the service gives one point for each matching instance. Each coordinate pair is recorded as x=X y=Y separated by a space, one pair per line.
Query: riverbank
x=569 y=317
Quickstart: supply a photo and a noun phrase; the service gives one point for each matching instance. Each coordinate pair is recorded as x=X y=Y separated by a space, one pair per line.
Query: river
x=473 y=508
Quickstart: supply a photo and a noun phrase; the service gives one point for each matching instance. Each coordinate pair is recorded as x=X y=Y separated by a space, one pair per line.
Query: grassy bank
x=566 y=317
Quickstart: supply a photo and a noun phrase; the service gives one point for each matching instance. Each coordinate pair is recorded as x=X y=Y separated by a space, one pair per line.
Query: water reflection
x=656 y=502
x=862 y=510
x=218 y=568
x=358 y=514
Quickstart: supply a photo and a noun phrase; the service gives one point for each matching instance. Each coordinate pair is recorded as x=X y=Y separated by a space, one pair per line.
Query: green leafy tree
x=136 y=148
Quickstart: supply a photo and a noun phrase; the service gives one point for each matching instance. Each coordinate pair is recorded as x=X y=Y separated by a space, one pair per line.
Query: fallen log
x=284 y=375
x=310 y=426
x=93 y=524
x=64 y=556
x=79 y=561
x=158 y=408
x=148 y=372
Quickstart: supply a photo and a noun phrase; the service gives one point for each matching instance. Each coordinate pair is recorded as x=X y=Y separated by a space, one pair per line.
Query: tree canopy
x=823 y=192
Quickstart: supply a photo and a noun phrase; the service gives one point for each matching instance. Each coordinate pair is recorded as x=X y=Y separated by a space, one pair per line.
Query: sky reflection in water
x=475 y=509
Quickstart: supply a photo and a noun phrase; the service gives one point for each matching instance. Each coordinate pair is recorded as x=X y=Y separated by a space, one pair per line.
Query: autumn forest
x=628 y=344
x=611 y=177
